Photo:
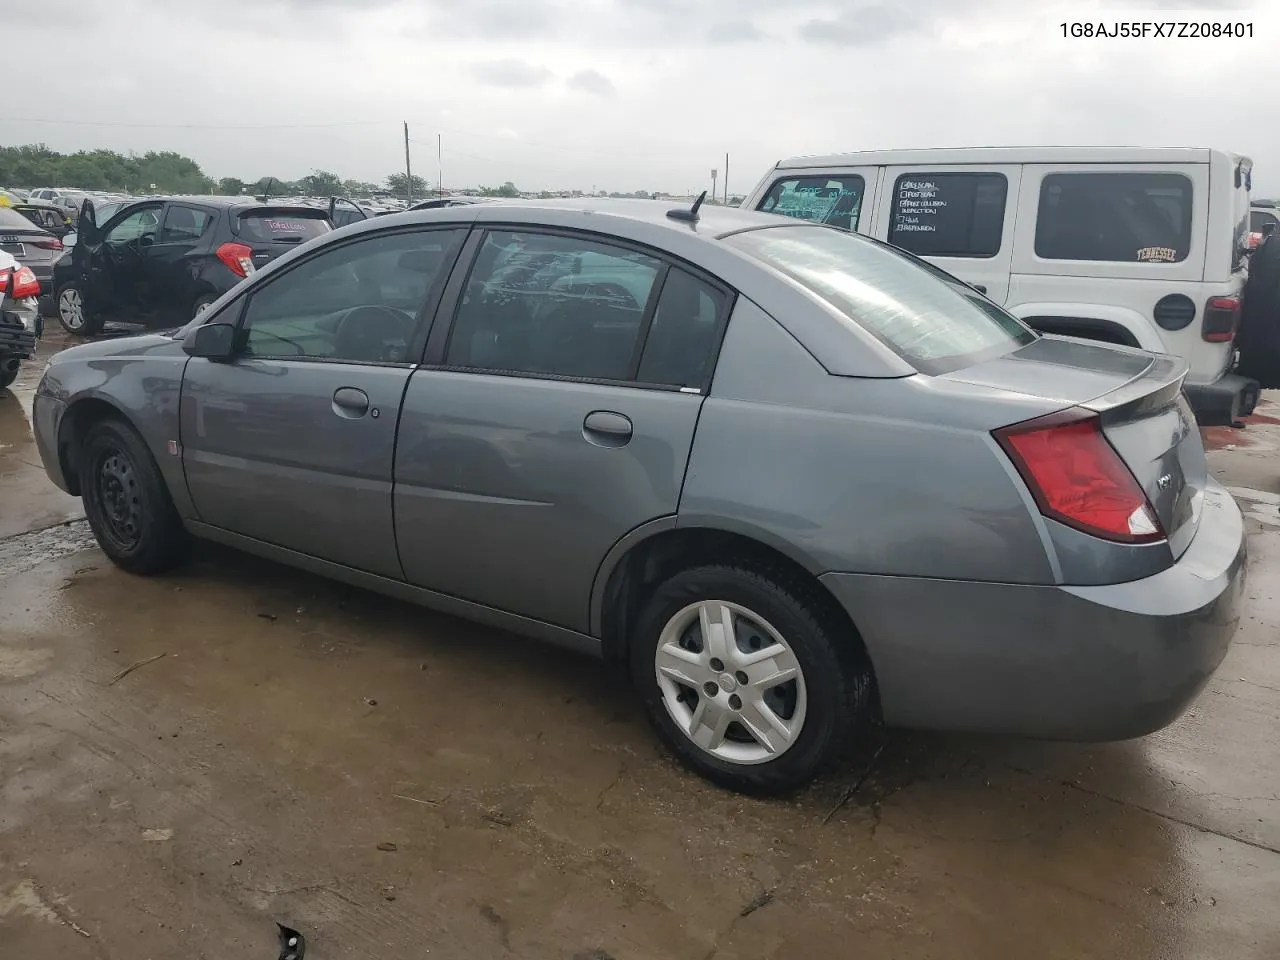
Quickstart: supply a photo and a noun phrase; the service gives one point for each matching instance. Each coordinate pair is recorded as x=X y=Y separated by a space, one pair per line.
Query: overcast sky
x=627 y=94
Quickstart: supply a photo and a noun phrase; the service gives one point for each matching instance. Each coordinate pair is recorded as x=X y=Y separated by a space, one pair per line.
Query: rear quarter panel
x=890 y=476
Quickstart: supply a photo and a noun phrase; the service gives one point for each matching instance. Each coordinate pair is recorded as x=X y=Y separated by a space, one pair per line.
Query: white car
x=1145 y=247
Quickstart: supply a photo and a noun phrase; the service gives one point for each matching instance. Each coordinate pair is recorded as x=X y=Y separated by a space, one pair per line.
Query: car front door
x=167 y=264
x=292 y=441
x=960 y=218
x=114 y=261
x=557 y=418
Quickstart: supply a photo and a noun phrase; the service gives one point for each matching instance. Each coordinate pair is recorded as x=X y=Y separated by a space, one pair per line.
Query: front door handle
x=605 y=428
x=350 y=403
x=980 y=287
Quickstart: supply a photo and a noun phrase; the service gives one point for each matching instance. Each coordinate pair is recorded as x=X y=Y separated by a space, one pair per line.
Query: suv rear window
x=281 y=226
x=926 y=316
x=949 y=214
x=1120 y=217
x=834 y=200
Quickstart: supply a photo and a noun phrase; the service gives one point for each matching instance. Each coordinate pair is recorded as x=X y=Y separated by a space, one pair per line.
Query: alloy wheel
x=730 y=682
x=71 y=309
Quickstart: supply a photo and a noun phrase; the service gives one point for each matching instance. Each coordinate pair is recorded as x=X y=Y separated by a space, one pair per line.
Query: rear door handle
x=351 y=403
x=605 y=428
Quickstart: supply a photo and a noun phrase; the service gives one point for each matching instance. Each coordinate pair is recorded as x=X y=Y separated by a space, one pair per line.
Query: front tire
x=73 y=315
x=748 y=678
x=127 y=502
x=202 y=304
x=8 y=371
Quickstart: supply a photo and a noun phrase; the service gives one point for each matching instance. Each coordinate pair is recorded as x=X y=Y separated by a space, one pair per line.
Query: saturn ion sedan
x=793 y=478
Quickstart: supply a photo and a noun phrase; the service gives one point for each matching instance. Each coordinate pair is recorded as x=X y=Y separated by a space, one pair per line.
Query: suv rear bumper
x=1223 y=402
x=1055 y=662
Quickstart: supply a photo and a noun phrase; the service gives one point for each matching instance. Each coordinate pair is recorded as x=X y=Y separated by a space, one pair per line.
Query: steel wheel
x=71 y=309
x=119 y=498
x=730 y=682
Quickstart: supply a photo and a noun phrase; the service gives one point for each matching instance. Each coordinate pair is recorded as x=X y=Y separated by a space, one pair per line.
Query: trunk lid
x=1144 y=414
x=272 y=231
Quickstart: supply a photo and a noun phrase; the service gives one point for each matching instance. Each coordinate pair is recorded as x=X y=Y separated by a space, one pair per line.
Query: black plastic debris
x=293 y=945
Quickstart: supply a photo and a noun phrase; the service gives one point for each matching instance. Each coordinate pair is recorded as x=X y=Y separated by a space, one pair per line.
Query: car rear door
x=292 y=442
x=557 y=418
x=169 y=261
x=960 y=218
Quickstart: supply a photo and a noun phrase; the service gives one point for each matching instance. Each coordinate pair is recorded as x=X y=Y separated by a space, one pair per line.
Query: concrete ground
x=394 y=783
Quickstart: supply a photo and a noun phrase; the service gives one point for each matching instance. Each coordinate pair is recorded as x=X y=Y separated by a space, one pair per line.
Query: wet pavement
x=395 y=783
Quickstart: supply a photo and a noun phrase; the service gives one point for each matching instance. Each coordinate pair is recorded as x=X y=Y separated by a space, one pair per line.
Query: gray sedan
x=796 y=480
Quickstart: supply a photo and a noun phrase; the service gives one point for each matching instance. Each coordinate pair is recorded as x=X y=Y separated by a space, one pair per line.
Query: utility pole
x=408 y=173
x=440 y=164
x=713 y=184
x=726 y=179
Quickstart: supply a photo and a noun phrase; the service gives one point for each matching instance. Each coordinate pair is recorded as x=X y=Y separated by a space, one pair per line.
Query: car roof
x=1028 y=154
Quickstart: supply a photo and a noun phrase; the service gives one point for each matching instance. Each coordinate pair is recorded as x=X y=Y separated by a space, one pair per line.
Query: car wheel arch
x=657 y=550
x=74 y=425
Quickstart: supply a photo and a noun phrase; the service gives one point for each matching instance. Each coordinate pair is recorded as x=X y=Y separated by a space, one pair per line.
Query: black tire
x=835 y=673
x=127 y=502
x=201 y=303
x=8 y=373
x=76 y=320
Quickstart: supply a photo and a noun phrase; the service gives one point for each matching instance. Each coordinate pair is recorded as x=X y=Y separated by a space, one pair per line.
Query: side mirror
x=213 y=341
x=69 y=240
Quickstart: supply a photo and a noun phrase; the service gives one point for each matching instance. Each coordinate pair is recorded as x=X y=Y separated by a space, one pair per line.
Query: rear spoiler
x=1153 y=390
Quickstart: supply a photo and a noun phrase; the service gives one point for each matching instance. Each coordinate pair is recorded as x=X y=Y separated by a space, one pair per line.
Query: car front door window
x=360 y=302
x=135 y=228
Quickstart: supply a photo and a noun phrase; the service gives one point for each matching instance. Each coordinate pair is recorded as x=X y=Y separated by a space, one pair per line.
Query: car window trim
x=727 y=299
x=437 y=348
x=430 y=304
x=862 y=196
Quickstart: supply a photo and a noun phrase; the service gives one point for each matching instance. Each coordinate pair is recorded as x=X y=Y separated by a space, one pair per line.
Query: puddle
x=26 y=551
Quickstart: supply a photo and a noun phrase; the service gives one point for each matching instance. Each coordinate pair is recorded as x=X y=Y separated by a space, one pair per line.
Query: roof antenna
x=690 y=215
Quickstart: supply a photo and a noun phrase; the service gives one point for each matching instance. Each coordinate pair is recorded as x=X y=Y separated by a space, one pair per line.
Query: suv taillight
x=1077 y=478
x=1221 y=317
x=19 y=284
x=237 y=257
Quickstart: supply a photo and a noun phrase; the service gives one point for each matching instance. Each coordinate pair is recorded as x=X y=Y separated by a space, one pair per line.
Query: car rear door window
x=1121 y=217
x=553 y=305
x=680 y=348
x=360 y=302
x=183 y=224
x=949 y=214
x=834 y=200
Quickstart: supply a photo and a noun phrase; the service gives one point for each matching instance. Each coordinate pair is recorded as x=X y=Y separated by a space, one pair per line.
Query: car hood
x=130 y=345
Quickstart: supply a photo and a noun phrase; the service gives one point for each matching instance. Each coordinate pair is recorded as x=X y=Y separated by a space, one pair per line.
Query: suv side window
x=184 y=224
x=358 y=303
x=1120 y=217
x=680 y=348
x=835 y=200
x=949 y=214
x=552 y=305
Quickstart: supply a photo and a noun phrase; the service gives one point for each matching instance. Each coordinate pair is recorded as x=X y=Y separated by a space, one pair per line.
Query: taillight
x=237 y=257
x=53 y=243
x=24 y=284
x=1077 y=478
x=1221 y=316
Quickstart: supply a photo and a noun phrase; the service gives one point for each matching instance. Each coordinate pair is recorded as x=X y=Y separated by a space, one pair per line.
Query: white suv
x=1139 y=246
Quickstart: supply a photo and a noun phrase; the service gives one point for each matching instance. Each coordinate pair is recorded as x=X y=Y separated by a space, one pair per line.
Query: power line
x=196 y=126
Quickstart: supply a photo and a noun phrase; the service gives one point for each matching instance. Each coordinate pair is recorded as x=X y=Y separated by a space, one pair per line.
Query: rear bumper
x=1056 y=662
x=1223 y=402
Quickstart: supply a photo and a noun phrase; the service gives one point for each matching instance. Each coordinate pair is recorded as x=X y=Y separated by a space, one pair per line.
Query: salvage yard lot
x=395 y=783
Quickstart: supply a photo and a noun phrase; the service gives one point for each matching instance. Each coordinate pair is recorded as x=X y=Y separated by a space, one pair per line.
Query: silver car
x=795 y=479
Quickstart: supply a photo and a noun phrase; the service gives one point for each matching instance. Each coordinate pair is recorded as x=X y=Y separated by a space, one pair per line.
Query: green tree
x=508 y=189
x=321 y=183
x=231 y=186
x=398 y=184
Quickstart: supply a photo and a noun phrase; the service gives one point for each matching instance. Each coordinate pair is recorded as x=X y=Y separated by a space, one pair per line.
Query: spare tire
x=1259 y=336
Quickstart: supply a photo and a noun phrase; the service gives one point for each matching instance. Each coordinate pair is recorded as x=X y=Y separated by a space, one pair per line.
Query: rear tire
x=8 y=373
x=73 y=315
x=202 y=304
x=127 y=502
x=728 y=693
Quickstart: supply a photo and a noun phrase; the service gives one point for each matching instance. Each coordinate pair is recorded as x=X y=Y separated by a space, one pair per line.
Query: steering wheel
x=298 y=351
x=374 y=334
x=612 y=291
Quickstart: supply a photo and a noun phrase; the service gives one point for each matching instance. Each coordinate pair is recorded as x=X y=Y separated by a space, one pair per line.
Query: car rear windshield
x=280 y=226
x=926 y=316
x=12 y=220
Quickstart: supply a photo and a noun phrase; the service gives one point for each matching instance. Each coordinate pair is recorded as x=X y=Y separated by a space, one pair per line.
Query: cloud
x=734 y=31
x=495 y=19
x=592 y=81
x=861 y=27
x=511 y=73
